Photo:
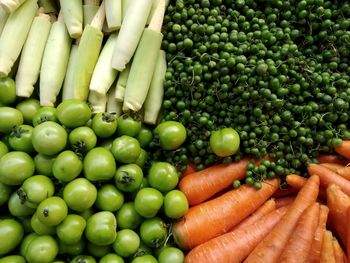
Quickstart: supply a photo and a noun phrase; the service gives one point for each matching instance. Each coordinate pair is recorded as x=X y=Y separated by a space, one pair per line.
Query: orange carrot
x=190 y=168
x=332 y=166
x=348 y=234
x=328 y=177
x=327 y=252
x=330 y=158
x=235 y=246
x=218 y=216
x=344 y=149
x=315 y=252
x=338 y=203
x=283 y=201
x=339 y=254
x=271 y=247
x=344 y=172
x=263 y=210
x=299 y=243
x=296 y=181
x=201 y=185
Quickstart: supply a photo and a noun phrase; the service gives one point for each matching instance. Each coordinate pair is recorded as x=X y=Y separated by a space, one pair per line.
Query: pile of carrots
x=310 y=224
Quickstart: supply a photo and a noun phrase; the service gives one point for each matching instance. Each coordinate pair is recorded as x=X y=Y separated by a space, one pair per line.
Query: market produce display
x=149 y=131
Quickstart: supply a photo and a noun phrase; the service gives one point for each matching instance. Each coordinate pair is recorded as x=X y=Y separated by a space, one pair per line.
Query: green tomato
x=98 y=251
x=17 y=207
x=126 y=149
x=145 y=259
x=49 y=138
x=73 y=113
x=128 y=177
x=145 y=136
x=148 y=201
x=3 y=149
x=11 y=234
x=71 y=249
x=7 y=91
x=83 y=259
x=13 y=259
x=15 y=167
x=101 y=228
x=44 y=163
x=28 y=108
x=71 y=229
x=126 y=243
x=111 y=258
x=40 y=228
x=127 y=216
x=80 y=194
x=36 y=189
x=175 y=204
x=163 y=176
x=171 y=134
x=25 y=243
x=109 y=198
x=44 y=114
x=42 y=249
x=104 y=124
x=153 y=232
x=9 y=118
x=171 y=255
x=129 y=124
x=52 y=211
x=67 y=166
x=224 y=142
x=82 y=139
x=141 y=160
x=20 y=138
x=99 y=165
x=5 y=192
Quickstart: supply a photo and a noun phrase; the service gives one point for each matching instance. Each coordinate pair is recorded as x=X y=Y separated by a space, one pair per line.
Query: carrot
x=217 y=216
x=330 y=158
x=347 y=246
x=338 y=203
x=235 y=246
x=283 y=201
x=344 y=172
x=327 y=252
x=328 y=177
x=332 y=166
x=339 y=254
x=271 y=247
x=296 y=181
x=315 y=252
x=263 y=210
x=344 y=149
x=201 y=185
x=190 y=168
x=300 y=242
